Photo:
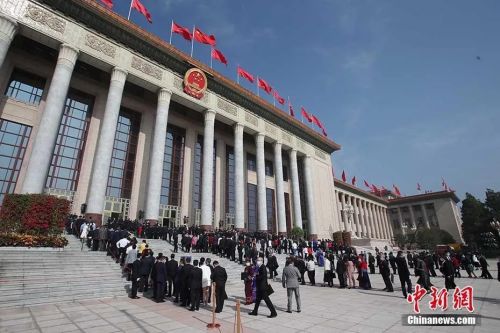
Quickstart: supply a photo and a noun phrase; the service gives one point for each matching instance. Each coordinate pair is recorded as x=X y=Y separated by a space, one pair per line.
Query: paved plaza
x=323 y=310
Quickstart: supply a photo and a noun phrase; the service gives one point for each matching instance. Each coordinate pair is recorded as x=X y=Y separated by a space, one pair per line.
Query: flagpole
x=171 y=28
x=130 y=10
x=192 y=41
x=237 y=74
x=211 y=58
x=257 y=84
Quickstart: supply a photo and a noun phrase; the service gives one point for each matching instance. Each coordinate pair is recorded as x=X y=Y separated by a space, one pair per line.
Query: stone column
x=280 y=194
x=46 y=135
x=342 y=211
x=376 y=229
x=366 y=217
x=207 y=171
x=311 y=209
x=412 y=216
x=104 y=148
x=297 y=210
x=426 y=218
x=8 y=29
x=261 y=184
x=153 y=191
x=239 y=178
x=388 y=223
x=385 y=232
x=356 y=227
x=348 y=221
x=403 y=231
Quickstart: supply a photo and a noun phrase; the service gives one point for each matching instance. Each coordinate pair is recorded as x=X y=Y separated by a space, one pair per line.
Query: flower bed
x=24 y=240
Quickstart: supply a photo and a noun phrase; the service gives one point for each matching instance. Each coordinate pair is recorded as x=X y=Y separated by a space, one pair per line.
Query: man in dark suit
x=403 y=273
x=262 y=290
x=386 y=273
x=186 y=273
x=135 y=276
x=161 y=277
x=171 y=271
x=219 y=277
x=147 y=263
x=195 y=282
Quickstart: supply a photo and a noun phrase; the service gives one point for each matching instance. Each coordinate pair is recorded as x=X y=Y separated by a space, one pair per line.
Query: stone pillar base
x=207 y=227
x=282 y=233
x=96 y=218
x=313 y=237
x=151 y=222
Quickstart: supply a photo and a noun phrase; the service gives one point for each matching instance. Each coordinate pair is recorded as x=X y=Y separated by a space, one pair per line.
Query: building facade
x=374 y=220
x=95 y=110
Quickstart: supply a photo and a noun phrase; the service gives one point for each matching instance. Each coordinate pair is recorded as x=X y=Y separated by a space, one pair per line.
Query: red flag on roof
x=244 y=74
x=343 y=176
x=396 y=189
x=353 y=181
x=137 y=5
x=280 y=99
x=217 y=55
x=108 y=3
x=305 y=114
x=184 y=32
x=199 y=36
x=324 y=132
x=367 y=185
x=375 y=189
x=290 y=109
x=264 y=85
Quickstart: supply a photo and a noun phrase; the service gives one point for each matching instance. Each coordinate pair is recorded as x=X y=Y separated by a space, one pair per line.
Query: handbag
x=269 y=290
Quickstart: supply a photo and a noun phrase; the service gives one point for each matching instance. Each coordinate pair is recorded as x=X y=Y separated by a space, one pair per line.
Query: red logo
x=195 y=83
x=462 y=298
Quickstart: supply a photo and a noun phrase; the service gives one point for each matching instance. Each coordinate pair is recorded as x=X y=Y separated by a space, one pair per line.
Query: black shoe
x=289 y=311
x=191 y=309
x=272 y=315
x=252 y=313
x=298 y=311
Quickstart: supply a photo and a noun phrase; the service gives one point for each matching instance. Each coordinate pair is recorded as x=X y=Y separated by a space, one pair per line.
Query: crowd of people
x=190 y=282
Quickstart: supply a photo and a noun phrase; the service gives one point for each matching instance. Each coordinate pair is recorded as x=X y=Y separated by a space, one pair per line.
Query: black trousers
x=312 y=278
x=387 y=281
x=405 y=285
x=220 y=294
x=272 y=273
x=135 y=285
x=195 y=298
x=170 y=283
x=144 y=286
x=303 y=282
x=268 y=302
x=160 y=290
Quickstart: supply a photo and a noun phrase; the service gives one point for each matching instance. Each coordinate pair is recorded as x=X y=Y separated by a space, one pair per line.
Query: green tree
x=475 y=218
x=297 y=233
x=400 y=239
x=427 y=238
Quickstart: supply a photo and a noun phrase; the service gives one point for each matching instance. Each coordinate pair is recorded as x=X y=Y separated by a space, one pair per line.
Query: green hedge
x=33 y=214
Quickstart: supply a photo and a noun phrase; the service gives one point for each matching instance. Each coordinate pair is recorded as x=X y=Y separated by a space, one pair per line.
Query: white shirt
x=327 y=264
x=205 y=279
x=122 y=243
x=310 y=265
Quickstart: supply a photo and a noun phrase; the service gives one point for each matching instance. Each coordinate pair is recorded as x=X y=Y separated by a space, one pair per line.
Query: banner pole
x=130 y=10
x=171 y=28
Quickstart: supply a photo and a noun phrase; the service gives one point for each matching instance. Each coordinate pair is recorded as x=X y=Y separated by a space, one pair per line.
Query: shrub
x=297 y=233
x=34 y=214
x=15 y=239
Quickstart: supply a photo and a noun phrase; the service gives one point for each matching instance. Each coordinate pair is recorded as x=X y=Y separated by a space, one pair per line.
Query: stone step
x=58 y=300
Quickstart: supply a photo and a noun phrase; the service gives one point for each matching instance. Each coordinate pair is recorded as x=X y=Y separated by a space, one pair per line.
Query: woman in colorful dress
x=364 y=279
x=249 y=283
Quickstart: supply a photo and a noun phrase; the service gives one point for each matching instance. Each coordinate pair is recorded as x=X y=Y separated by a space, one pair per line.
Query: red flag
x=264 y=85
x=375 y=189
x=396 y=189
x=244 y=74
x=418 y=187
x=353 y=181
x=199 y=36
x=343 y=176
x=324 y=132
x=136 y=4
x=290 y=109
x=367 y=185
x=305 y=114
x=184 y=32
x=108 y=3
x=217 y=55
x=280 y=99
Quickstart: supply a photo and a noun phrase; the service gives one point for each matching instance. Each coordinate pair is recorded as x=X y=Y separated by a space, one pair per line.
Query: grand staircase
x=31 y=276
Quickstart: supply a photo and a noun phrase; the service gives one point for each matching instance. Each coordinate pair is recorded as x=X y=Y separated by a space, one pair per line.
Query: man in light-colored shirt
x=290 y=281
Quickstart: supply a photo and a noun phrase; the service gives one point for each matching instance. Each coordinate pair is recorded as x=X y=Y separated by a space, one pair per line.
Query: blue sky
x=397 y=83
